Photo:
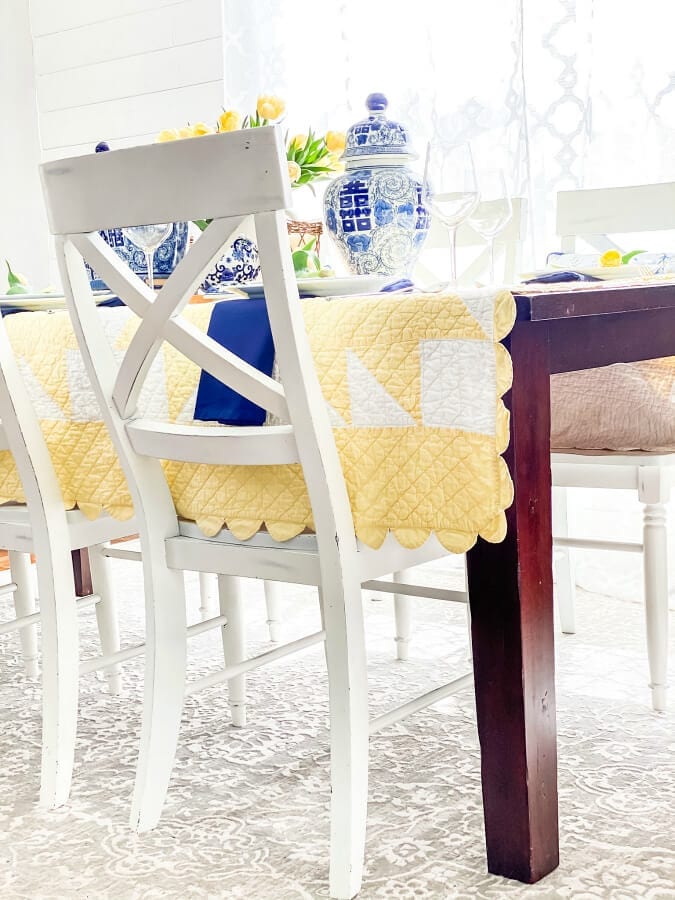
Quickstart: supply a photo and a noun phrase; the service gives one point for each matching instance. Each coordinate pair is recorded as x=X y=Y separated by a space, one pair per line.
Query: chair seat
x=613 y=457
x=373 y=563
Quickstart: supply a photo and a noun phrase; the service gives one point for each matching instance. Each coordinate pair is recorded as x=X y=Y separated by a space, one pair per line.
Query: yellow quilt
x=413 y=386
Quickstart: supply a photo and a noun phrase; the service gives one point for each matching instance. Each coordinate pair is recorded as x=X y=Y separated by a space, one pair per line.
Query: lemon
x=610 y=258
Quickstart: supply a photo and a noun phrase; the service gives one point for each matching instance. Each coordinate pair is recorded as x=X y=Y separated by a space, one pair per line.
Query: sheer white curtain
x=564 y=93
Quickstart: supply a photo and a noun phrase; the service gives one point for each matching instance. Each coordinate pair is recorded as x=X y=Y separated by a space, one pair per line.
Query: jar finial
x=376 y=103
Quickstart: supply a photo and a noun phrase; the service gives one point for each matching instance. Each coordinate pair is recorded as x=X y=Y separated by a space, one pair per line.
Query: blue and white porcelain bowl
x=239 y=265
x=374 y=211
x=164 y=261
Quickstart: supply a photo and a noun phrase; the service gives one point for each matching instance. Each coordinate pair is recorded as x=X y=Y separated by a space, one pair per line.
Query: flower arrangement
x=310 y=156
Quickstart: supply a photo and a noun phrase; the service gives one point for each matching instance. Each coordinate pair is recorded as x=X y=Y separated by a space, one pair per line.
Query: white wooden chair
x=595 y=215
x=45 y=528
x=224 y=177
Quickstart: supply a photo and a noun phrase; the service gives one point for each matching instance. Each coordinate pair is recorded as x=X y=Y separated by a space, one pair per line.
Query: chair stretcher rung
x=34 y=618
x=415 y=590
x=591 y=544
x=113 y=659
x=119 y=553
x=421 y=702
x=7 y=588
x=255 y=662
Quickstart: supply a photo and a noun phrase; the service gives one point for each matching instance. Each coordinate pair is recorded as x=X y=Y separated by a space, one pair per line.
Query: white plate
x=38 y=302
x=332 y=286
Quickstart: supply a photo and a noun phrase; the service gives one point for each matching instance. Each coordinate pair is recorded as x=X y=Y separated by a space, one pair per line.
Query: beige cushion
x=628 y=406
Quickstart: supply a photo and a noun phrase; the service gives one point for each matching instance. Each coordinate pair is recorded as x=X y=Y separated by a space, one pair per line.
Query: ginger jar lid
x=377 y=137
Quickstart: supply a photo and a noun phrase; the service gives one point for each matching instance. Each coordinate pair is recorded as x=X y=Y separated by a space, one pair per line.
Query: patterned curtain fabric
x=562 y=93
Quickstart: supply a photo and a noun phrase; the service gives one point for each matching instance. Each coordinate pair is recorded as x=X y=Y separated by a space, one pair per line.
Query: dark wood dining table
x=511 y=584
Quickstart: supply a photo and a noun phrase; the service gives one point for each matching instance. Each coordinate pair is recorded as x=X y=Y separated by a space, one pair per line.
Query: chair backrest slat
x=198 y=178
x=245 y=446
x=597 y=212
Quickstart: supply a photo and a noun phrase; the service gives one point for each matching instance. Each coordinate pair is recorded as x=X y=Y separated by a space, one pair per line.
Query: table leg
x=82 y=572
x=511 y=598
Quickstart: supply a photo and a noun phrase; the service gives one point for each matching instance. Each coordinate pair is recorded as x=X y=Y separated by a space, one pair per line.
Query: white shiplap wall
x=121 y=71
x=23 y=224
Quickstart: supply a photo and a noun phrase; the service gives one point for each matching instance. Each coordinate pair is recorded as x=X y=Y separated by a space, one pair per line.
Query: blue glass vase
x=374 y=211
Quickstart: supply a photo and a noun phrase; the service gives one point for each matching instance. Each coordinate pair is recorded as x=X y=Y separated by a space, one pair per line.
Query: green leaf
x=310 y=244
x=202 y=224
x=626 y=258
x=16 y=286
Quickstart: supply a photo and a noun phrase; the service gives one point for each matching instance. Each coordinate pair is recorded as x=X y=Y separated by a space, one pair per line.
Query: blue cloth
x=243 y=327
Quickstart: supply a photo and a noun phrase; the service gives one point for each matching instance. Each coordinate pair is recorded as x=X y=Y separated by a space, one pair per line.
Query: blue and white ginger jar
x=374 y=211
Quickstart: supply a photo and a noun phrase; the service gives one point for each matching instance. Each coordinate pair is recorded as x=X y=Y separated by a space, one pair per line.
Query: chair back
x=223 y=177
x=597 y=213
x=508 y=248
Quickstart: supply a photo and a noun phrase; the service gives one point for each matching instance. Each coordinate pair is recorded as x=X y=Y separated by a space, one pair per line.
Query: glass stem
x=148 y=263
x=452 y=236
x=492 y=260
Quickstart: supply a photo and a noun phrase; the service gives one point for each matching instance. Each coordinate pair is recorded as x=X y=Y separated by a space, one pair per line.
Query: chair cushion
x=627 y=406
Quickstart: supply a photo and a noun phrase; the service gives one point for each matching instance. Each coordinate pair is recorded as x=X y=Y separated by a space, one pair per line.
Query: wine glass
x=450 y=189
x=148 y=238
x=494 y=211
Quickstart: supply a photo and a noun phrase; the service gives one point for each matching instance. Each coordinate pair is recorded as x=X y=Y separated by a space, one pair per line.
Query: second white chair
x=45 y=528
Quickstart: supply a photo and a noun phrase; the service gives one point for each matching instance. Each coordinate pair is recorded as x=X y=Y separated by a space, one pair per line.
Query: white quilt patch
x=44 y=406
x=371 y=405
x=459 y=385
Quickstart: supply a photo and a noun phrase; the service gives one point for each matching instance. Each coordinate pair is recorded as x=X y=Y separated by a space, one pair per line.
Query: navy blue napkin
x=243 y=327
x=562 y=275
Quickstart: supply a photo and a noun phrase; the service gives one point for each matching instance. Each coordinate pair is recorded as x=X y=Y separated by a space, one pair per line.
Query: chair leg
x=403 y=616
x=60 y=669
x=165 y=659
x=207 y=593
x=342 y=614
x=24 y=605
x=656 y=599
x=234 y=644
x=106 y=614
x=273 y=606
x=565 y=587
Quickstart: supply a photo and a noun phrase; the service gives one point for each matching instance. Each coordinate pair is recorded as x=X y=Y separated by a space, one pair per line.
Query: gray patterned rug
x=246 y=815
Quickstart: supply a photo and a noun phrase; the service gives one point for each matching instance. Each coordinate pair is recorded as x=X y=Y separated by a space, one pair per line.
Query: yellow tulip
x=200 y=128
x=294 y=171
x=169 y=134
x=335 y=163
x=186 y=131
x=335 y=141
x=270 y=107
x=299 y=141
x=610 y=258
x=229 y=120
